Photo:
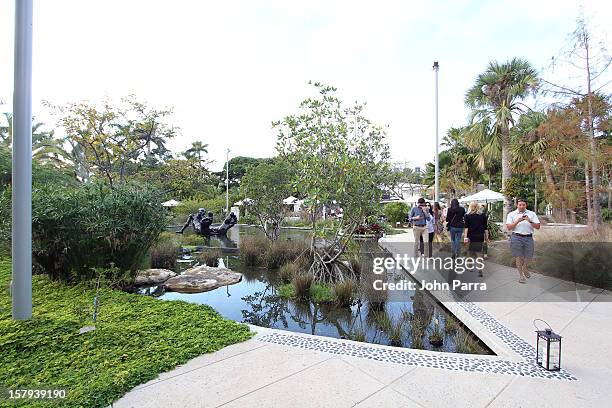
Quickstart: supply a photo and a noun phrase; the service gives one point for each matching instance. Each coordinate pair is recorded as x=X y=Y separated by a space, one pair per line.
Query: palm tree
x=45 y=147
x=495 y=100
x=196 y=150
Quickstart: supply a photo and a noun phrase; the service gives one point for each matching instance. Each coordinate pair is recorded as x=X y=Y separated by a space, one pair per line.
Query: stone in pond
x=202 y=279
x=153 y=276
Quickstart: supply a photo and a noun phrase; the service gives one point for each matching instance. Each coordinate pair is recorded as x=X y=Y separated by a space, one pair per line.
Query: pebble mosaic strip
x=527 y=368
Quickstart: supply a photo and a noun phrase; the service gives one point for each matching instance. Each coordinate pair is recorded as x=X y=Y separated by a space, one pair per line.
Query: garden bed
x=136 y=338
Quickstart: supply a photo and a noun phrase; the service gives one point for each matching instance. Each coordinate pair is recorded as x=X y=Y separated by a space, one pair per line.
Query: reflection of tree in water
x=267 y=309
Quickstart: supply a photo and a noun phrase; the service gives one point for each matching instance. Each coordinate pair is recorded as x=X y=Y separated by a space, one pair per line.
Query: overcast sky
x=229 y=68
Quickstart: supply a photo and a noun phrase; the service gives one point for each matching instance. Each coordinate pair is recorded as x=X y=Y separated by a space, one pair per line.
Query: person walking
x=454 y=218
x=419 y=216
x=522 y=222
x=431 y=230
x=438 y=222
x=476 y=231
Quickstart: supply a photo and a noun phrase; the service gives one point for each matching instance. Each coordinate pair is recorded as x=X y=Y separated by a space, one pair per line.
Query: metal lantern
x=548 y=350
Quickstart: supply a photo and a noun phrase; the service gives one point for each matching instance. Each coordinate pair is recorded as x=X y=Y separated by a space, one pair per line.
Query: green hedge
x=136 y=338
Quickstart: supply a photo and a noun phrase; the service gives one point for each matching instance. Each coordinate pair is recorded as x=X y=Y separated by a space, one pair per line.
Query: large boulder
x=202 y=279
x=153 y=276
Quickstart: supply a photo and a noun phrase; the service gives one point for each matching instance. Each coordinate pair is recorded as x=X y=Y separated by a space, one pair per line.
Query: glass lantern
x=548 y=350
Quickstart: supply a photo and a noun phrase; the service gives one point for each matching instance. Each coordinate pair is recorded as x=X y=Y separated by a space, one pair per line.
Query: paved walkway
x=283 y=369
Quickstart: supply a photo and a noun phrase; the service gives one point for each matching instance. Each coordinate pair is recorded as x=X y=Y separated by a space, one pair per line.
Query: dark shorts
x=521 y=246
x=476 y=246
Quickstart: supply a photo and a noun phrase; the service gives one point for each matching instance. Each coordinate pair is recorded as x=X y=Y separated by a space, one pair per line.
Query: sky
x=230 y=68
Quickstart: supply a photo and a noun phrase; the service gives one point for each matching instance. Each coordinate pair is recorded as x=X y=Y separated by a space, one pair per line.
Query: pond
x=400 y=318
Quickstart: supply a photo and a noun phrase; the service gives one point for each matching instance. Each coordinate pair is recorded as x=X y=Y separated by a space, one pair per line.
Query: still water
x=401 y=318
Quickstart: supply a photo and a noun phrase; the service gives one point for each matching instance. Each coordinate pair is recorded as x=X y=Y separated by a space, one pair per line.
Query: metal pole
x=21 y=285
x=436 y=68
x=227 y=181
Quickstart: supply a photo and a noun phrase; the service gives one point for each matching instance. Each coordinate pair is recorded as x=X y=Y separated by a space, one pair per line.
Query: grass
x=210 y=257
x=253 y=249
x=163 y=255
x=288 y=271
x=284 y=251
x=575 y=254
x=343 y=292
x=319 y=293
x=136 y=338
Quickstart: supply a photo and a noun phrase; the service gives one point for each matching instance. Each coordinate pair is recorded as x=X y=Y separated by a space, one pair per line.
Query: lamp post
x=436 y=68
x=21 y=286
x=227 y=181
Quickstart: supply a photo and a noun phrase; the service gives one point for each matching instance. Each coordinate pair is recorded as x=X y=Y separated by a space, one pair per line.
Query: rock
x=202 y=279
x=153 y=276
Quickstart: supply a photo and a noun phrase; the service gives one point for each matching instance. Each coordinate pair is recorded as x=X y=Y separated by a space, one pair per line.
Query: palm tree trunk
x=506 y=169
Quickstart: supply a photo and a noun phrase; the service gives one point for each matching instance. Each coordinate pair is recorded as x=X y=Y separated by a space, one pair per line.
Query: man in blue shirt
x=419 y=217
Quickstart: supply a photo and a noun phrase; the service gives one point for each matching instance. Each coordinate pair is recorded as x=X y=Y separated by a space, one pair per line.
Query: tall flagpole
x=436 y=68
x=21 y=286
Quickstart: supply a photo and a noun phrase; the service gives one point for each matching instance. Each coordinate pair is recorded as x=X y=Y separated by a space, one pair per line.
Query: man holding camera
x=522 y=223
x=419 y=216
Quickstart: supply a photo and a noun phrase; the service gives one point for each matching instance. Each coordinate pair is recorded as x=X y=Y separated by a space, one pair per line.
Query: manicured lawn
x=136 y=338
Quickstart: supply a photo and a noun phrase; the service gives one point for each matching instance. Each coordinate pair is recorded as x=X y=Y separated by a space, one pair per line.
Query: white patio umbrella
x=485 y=196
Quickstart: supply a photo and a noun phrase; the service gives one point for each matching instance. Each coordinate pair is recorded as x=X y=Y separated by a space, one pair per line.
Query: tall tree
x=115 y=139
x=266 y=186
x=337 y=154
x=496 y=100
x=591 y=59
x=196 y=151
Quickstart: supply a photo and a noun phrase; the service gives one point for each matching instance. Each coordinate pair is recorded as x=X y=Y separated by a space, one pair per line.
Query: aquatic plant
x=343 y=292
x=210 y=256
x=302 y=284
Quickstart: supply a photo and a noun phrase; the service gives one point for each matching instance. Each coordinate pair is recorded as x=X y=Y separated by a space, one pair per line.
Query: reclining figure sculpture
x=201 y=223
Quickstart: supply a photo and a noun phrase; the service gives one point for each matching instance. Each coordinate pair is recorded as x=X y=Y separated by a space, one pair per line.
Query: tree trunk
x=597 y=222
x=506 y=170
x=550 y=180
x=587 y=190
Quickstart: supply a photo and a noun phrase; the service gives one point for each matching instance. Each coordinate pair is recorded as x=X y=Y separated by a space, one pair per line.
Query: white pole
x=227 y=181
x=436 y=68
x=21 y=286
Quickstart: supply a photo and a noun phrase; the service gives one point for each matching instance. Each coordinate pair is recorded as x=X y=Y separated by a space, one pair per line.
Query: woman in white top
x=431 y=230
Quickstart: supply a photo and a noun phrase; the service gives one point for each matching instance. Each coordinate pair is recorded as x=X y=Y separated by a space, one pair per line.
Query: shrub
x=285 y=251
x=321 y=293
x=396 y=212
x=343 y=292
x=210 y=257
x=76 y=229
x=493 y=228
x=301 y=285
x=163 y=255
x=253 y=249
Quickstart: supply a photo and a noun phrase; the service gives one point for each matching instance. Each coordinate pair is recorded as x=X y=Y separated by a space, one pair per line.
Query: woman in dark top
x=454 y=217
x=476 y=225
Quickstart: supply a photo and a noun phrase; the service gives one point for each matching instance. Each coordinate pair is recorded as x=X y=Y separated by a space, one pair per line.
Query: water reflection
x=401 y=318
